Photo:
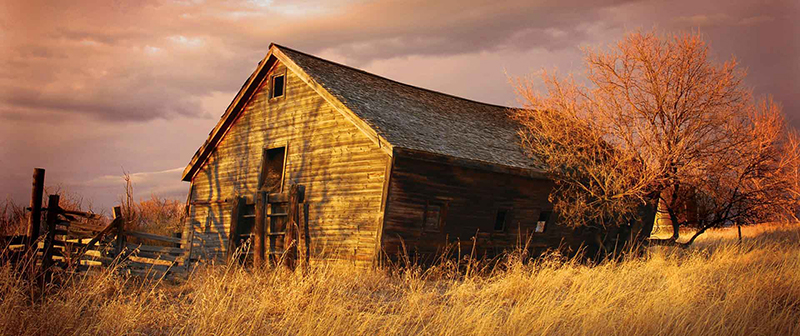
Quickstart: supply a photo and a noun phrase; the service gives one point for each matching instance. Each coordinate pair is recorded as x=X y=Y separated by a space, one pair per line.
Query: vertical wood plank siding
x=472 y=198
x=343 y=172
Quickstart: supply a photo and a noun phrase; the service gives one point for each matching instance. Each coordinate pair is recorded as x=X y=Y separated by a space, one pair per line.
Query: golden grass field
x=717 y=287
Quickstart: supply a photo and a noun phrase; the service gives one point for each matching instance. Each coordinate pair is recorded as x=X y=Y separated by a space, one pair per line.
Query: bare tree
x=658 y=122
x=155 y=215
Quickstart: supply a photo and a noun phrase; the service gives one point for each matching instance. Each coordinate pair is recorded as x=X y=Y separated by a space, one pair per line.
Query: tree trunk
x=642 y=229
x=696 y=234
x=676 y=229
x=648 y=213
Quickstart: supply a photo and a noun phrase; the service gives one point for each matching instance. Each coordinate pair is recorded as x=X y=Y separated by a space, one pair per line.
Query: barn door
x=243 y=211
x=269 y=223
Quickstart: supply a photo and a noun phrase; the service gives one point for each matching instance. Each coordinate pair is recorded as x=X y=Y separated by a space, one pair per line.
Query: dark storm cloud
x=144 y=60
x=149 y=60
x=399 y=28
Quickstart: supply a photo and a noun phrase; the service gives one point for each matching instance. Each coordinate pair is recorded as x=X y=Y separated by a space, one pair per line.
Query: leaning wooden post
x=120 y=242
x=258 y=228
x=34 y=221
x=52 y=214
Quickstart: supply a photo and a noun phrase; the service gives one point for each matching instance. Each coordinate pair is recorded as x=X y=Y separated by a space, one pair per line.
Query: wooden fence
x=74 y=241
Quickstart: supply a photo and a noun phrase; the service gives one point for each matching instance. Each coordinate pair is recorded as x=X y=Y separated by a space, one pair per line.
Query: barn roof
x=401 y=116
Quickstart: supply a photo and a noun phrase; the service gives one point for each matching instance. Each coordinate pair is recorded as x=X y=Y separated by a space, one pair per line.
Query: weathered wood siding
x=342 y=170
x=472 y=198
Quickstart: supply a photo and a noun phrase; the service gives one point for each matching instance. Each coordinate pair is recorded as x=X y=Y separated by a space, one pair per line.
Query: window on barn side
x=541 y=223
x=500 y=220
x=278 y=86
x=434 y=217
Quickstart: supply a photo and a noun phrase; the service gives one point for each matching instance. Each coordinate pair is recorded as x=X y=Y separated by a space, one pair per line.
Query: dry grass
x=156 y=215
x=13 y=218
x=716 y=288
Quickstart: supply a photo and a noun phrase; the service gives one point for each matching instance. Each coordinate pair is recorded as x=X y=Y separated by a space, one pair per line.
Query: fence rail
x=71 y=243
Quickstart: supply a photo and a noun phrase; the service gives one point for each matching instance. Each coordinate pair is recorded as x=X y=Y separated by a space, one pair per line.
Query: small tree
x=658 y=122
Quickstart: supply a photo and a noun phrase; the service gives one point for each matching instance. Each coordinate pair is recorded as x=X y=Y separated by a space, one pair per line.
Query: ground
x=716 y=287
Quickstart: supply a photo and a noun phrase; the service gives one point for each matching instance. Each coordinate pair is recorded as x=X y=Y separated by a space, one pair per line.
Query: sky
x=92 y=89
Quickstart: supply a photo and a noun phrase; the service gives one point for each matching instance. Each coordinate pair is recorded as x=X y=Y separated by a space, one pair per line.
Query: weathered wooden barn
x=386 y=167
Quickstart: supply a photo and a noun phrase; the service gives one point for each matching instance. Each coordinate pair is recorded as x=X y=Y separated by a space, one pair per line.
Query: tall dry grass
x=719 y=287
x=155 y=215
x=13 y=218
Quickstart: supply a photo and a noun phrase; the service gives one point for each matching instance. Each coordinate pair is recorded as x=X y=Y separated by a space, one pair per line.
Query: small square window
x=541 y=223
x=500 y=220
x=433 y=217
x=278 y=86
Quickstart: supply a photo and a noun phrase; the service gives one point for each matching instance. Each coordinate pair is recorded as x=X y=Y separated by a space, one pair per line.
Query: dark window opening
x=278 y=86
x=272 y=170
x=500 y=220
x=433 y=217
x=541 y=223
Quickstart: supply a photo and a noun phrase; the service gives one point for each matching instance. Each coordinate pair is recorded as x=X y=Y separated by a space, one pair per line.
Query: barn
x=382 y=168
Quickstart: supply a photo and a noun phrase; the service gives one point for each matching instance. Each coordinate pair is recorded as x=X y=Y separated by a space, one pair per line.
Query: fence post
x=120 y=230
x=34 y=221
x=47 y=253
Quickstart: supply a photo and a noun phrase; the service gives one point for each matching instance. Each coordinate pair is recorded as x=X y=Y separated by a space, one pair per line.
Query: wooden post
x=304 y=245
x=290 y=229
x=301 y=225
x=233 y=233
x=188 y=232
x=258 y=228
x=34 y=221
x=50 y=221
x=739 y=227
x=120 y=230
x=187 y=251
x=269 y=239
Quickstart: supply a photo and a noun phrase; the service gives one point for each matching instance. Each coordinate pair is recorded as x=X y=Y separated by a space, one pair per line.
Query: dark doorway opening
x=271 y=178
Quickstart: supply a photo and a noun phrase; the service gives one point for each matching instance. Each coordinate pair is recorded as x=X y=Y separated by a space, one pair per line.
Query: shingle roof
x=405 y=116
x=419 y=119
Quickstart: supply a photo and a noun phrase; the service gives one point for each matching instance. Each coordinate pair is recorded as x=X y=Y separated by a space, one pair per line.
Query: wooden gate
x=278 y=232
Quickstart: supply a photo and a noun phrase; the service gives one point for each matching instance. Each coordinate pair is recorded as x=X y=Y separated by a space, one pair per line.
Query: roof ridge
x=389 y=79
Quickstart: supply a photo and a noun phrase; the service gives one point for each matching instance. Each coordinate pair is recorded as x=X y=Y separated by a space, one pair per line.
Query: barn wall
x=342 y=170
x=472 y=198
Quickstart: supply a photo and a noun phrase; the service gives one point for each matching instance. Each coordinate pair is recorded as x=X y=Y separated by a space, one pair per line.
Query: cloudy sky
x=91 y=88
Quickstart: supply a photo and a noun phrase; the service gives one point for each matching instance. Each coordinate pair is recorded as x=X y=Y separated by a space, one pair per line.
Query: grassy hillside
x=717 y=287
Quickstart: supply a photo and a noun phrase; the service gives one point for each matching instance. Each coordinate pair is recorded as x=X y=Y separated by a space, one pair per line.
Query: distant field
x=717 y=287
